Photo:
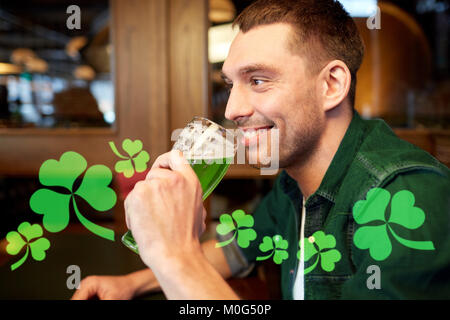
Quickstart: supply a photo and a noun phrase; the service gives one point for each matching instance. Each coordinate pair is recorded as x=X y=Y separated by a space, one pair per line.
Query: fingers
x=109 y=296
x=86 y=291
x=178 y=163
x=162 y=161
x=172 y=160
x=80 y=295
x=158 y=173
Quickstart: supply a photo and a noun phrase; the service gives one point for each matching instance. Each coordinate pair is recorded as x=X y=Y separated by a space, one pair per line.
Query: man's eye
x=257 y=82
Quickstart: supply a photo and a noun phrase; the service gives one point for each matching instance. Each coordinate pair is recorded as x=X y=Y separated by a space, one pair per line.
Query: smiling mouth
x=250 y=135
x=254 y=130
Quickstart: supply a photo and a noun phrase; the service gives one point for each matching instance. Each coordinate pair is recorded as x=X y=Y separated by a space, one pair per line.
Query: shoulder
x=427 y=190
x=385 y=155
x=404 y=174
x=403 y=229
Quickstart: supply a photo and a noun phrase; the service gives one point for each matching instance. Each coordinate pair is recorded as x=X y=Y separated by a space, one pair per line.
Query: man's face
x=272 y=89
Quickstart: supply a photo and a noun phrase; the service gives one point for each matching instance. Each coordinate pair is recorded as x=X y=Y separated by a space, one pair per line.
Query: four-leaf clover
x=242 y=228
x=55 y=206
x=375 y=236
x=29 y=236
x=277 y=245
x=317 y=245
x=135 y=161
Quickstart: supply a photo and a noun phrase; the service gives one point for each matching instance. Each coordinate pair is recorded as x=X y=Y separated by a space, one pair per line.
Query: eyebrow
x=252 y=68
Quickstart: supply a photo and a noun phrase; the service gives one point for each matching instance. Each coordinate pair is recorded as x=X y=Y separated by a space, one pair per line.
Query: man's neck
x=309 y=174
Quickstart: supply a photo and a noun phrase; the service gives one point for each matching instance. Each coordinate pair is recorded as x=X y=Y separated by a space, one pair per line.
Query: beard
x=300 y=139
x=296 y=143
x=300 y=142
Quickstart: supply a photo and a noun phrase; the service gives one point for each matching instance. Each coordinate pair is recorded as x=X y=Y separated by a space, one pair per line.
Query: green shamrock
x=375 y=236
x=318 y=244
x=16 y=242
x=242 y=229
x=136 y=156
x=278 y=247
x=55 y=206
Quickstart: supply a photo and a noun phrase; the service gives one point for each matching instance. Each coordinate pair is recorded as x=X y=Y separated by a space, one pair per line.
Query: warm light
x=220 y=38
x=36 y=65
x=74 y=46
x=221 y=11
x=84 y=72
x=7 y=68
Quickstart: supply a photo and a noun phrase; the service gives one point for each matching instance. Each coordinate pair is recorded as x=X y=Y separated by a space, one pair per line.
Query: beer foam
x=198 y=141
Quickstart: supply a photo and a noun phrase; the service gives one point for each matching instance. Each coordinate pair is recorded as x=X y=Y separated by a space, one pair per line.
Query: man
x=374 y=219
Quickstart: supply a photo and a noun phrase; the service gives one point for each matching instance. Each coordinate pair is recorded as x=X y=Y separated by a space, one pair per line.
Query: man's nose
x=238 y=105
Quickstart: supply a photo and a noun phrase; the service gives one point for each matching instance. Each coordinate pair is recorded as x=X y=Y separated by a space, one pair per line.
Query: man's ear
x=334 y=84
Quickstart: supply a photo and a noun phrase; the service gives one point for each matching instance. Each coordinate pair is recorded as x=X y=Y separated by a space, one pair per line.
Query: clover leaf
x=55 y=205
x=277 y=246
x=375 y=236
x=317 y=245
x=136 y=161
x=242 y=229
x=24 y=237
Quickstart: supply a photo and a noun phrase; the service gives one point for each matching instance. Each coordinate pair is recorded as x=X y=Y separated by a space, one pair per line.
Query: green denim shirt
x=404 y=235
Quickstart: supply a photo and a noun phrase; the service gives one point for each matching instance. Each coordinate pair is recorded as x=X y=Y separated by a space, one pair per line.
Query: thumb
x=177 y=162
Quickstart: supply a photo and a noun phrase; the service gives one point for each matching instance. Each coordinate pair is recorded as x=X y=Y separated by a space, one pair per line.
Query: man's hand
x=165 y=212
x=143 y=281
x=105 y=288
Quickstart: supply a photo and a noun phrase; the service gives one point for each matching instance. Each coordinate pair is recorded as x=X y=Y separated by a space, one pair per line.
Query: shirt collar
x=337 y=170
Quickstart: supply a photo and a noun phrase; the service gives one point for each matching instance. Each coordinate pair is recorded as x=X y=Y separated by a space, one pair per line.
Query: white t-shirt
x=299 y=284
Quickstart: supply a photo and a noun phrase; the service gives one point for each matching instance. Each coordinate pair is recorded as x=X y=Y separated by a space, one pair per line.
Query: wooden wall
x=160 y=70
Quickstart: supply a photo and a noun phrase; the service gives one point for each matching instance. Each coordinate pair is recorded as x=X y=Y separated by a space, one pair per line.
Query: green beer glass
x=209 y=149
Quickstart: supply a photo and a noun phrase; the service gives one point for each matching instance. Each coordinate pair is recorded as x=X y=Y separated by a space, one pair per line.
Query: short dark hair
x=324 y=31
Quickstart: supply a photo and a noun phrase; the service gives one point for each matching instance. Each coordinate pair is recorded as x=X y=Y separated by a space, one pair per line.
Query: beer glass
x=209 y=149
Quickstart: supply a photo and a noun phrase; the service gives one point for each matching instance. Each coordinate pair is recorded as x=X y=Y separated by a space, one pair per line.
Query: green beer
x=209 y=149
x=210 y=173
